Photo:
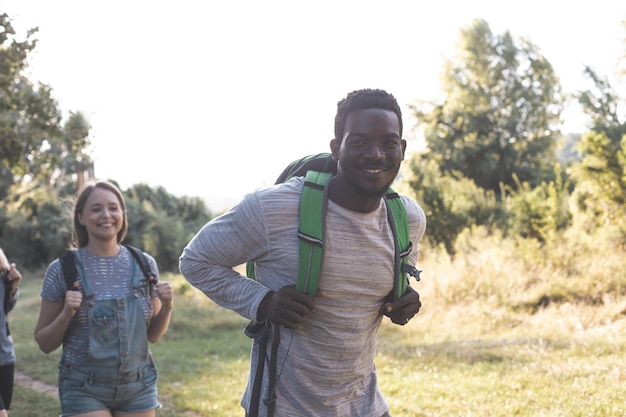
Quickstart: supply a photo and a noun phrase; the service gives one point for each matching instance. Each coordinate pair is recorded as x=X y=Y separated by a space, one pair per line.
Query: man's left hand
x=403 y=310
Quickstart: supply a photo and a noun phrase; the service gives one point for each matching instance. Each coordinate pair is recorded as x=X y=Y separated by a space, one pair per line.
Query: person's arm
x=162 y=311
x=208 y=261
x=54 y=317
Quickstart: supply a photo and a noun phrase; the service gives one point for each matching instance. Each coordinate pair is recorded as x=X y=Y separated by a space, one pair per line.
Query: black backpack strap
x=270 y=401
x=68 y=264
x=143 y=262
x=260 y=333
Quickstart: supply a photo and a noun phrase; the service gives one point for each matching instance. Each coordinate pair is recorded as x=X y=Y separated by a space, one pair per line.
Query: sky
x=212 y=99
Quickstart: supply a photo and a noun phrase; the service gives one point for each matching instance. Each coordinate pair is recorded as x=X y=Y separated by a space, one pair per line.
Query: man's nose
x=376 y=152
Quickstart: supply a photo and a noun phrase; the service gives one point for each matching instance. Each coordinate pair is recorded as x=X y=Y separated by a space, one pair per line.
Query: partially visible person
x=106 y=324
x=327 y=344
x=11 y=278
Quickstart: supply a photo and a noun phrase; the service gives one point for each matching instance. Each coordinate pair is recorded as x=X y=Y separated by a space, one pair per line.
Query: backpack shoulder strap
x=399 y=223
x=321 y=162
x=68 y=264
x=143 y=262
x=311 y=235
x=311 y=230
x=317 y=170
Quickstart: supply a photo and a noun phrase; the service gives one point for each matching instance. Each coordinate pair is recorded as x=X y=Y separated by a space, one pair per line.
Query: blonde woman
x=106 y=323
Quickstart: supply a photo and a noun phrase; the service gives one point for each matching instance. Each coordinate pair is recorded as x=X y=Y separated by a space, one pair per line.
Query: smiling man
x=322 y=363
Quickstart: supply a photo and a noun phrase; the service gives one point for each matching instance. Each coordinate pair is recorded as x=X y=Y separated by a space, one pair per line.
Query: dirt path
x=25 y=381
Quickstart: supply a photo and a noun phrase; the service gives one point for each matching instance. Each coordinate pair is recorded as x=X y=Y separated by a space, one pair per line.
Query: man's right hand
x=286 y=307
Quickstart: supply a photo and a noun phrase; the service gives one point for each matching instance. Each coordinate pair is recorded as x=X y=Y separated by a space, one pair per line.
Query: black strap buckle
x=412 y=271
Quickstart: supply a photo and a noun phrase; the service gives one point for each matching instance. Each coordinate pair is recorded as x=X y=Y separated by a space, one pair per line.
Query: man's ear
x=334 y=149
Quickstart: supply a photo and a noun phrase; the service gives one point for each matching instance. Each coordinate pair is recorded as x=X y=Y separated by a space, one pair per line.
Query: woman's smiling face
x=103 y=215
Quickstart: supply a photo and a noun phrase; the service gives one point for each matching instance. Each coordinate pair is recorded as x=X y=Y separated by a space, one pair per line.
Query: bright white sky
x=214 y=98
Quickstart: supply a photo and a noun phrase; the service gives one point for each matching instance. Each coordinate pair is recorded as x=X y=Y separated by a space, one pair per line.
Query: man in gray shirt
x=328 y=342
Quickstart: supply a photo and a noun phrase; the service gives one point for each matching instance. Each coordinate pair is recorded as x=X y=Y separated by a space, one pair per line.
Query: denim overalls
x=119 y=365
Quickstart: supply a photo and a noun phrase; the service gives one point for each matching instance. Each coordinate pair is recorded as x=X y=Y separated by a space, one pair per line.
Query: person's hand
x=166 y=294
x=287 y=307
x=14 y=276
x=73 y=298
x=403 y=310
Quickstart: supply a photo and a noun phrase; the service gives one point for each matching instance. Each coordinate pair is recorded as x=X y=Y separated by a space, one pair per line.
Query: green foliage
x=500 y=114
x=34 y=145
x=526 y=275
x=161 y=223
x=538 y=213
x=601 y=175
x=29 y=117
x=601 y=104
x=35 y=229
x=451 y=204
x=15 y=92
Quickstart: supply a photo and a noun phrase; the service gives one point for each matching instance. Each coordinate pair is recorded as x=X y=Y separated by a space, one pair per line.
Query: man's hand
x=286 y=307
x=403 y=310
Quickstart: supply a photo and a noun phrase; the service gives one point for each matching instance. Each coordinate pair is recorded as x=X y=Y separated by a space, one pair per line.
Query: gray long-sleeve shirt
x=326 y=366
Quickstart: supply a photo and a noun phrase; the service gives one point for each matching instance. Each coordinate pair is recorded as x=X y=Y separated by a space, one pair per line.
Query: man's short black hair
x=363 y=100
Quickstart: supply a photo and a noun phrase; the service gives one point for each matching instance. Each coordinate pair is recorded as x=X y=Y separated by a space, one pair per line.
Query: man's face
x=370 y=152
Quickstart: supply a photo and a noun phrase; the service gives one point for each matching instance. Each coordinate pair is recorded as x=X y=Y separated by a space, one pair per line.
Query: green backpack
x=317 y=170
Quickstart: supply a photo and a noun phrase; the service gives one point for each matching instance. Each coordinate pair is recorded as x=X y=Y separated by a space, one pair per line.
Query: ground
x=28 y=382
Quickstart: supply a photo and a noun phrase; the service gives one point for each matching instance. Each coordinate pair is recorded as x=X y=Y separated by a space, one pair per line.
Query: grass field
x=479 y=347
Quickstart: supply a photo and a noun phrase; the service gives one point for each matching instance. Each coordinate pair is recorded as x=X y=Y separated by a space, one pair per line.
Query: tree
x=35 y=224
x=539 y=213
x=33 y=143
x=161 y=223
x=500 y=115
x=27 y=115
x=452 y=204
x=601 y=187
x=74 y=158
